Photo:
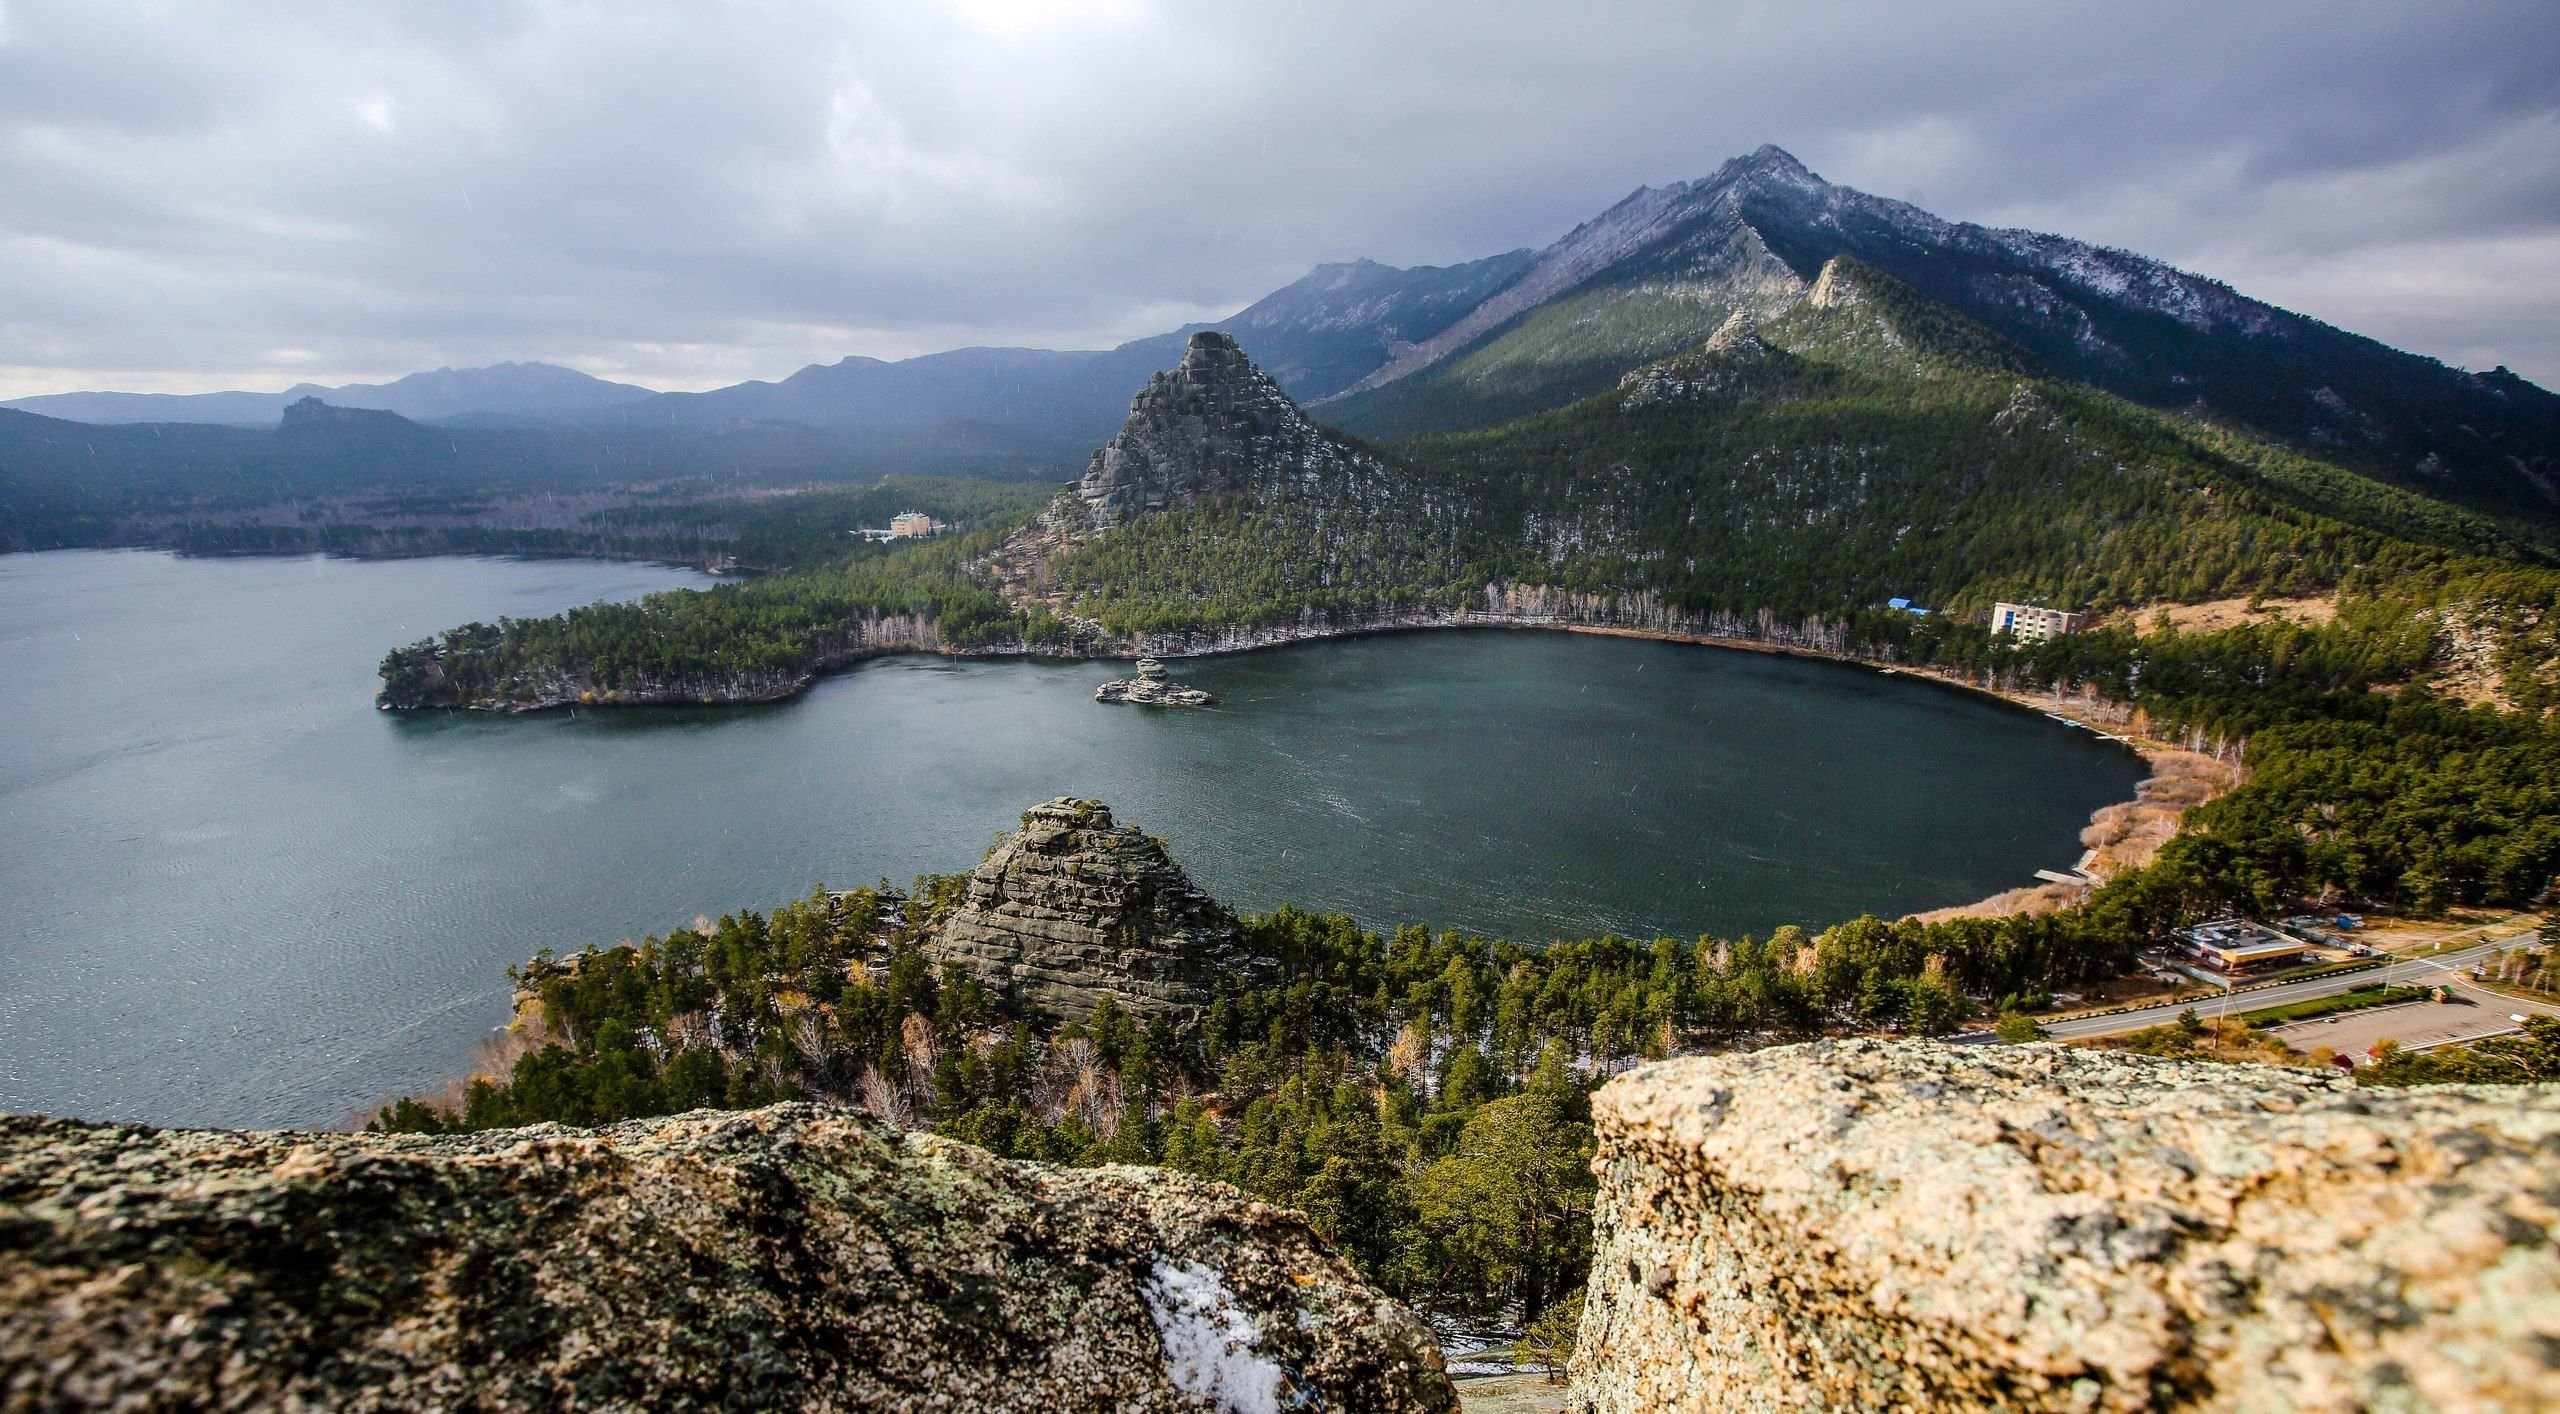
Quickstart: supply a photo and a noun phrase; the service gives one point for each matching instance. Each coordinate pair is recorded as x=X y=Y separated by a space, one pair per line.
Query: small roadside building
x=2235 y=947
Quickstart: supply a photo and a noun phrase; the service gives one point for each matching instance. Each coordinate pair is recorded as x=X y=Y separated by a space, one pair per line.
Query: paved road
x=2424 y=969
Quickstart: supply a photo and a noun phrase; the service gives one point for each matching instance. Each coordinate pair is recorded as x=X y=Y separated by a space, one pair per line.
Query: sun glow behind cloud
x=1016 y=19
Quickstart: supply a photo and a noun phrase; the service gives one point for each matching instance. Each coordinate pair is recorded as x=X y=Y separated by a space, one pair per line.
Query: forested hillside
x=1867 y=445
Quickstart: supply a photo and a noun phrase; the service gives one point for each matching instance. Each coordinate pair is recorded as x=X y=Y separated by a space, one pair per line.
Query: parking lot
x=2414 y=1025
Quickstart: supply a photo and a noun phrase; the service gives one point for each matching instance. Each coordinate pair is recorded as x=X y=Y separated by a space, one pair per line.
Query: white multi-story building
x=905 y=525
x=2033 y=623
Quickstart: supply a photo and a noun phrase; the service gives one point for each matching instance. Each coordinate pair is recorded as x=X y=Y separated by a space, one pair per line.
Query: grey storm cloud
x=210 y=195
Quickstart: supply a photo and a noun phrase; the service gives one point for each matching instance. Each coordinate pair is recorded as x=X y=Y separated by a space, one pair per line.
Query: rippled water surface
x=237 y=894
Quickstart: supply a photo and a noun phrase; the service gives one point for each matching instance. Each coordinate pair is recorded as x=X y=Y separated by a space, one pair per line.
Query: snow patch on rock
x=1209 y=1341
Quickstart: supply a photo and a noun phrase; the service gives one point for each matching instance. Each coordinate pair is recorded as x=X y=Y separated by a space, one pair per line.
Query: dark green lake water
x=238 y=895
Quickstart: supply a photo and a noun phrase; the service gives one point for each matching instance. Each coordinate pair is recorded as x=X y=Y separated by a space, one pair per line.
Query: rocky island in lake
x=1152 y=689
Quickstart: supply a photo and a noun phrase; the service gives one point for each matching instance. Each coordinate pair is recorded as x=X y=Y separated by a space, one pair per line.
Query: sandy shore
x=2122 y=836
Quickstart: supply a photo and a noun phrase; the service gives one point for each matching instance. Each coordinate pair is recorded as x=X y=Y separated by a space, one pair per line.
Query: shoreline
x=2120 y=835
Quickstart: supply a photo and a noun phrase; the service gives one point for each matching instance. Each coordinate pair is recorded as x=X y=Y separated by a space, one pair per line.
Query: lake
x=239 y=895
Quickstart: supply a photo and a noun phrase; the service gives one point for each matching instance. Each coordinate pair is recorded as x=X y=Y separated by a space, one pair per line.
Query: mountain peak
x=1774 y=160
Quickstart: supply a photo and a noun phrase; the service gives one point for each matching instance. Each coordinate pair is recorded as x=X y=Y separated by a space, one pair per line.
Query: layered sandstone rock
x=1861 y=1225
x=793 y=1257
x=1075 y=907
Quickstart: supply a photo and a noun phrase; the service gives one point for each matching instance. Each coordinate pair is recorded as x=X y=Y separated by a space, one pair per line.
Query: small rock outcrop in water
x=788 y=1258
x=1075 y=907
x=1858 y=1225
x=1150 y=688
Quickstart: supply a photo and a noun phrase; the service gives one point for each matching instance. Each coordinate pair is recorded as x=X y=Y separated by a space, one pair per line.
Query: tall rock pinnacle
x=1215 y=423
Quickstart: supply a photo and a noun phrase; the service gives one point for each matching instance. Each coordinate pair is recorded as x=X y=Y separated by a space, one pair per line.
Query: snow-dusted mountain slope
x=1665 y=267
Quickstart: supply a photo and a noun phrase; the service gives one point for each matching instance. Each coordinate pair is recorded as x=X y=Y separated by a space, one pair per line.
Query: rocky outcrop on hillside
x=1862 y=1225
x=1734 y=362
x=788 y=1258
x=1075 y=907
x=1213 y=424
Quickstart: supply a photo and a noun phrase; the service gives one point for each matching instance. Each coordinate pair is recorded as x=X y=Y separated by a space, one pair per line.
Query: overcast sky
x=207 y=195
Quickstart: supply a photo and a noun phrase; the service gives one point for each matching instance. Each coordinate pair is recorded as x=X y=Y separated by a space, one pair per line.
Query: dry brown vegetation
x=2129 y=835
x=2228 y=613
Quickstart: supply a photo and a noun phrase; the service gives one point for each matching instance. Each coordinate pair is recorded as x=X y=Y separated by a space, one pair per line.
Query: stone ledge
x=1862 y=1224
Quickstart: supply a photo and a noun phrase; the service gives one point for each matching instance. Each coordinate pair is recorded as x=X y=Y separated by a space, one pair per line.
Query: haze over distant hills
x=1390 y=352
x=500 y=393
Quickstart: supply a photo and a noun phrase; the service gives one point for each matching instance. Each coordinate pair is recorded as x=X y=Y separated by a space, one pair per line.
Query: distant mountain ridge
x=1317 y=336
x=1394 y=353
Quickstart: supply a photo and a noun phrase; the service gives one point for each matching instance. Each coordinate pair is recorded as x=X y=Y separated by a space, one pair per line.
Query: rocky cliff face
x=793 y=1257
x=1855 y=1225
x=1215 y=423
x=1076 y=907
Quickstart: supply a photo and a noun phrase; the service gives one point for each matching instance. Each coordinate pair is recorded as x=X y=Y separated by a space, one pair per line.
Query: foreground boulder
x=1075 y=907
x=1856 y=1225
x=793 y=1257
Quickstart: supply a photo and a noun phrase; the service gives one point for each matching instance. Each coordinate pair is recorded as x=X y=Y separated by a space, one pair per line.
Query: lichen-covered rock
x=1861 y=1225
x=1075 y=907
x=793 y=1257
